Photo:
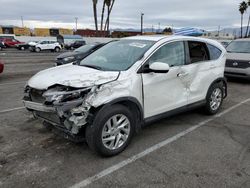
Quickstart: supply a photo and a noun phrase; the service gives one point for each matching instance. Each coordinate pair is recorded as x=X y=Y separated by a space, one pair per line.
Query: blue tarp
x=188 y=31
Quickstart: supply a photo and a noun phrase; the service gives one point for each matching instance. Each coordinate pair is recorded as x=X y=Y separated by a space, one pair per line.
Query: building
x=120 y=34
x=91 y=33
x=45 y=32
x=18 y=31
x=218 y=35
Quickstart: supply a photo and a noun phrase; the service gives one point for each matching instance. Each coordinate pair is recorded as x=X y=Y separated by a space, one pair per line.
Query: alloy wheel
x=216 y=99
x=116 y=131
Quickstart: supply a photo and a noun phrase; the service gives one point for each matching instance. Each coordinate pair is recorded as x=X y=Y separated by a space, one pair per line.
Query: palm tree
x=103 y=10
x=242 y=9
x=95 y=13
x=248 y=3
x=110 y=4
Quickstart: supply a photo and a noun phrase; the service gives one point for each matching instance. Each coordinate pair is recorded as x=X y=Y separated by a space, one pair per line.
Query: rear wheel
x=112 y=130
x=214 y=98
x=57 y=49
x=22 y=48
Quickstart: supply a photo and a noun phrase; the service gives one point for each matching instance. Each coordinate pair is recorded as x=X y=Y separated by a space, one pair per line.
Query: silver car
x=238 y=59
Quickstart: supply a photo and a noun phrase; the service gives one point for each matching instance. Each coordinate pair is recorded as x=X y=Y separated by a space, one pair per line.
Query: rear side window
x=214 y=52
x=198 y=51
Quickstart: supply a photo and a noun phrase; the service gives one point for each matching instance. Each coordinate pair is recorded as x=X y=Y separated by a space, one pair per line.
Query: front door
x=165 y=91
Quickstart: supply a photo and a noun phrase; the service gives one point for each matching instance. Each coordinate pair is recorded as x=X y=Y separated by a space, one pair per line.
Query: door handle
x=182 y=74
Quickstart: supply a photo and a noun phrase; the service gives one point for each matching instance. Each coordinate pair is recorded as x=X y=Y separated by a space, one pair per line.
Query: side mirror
x=159 y=67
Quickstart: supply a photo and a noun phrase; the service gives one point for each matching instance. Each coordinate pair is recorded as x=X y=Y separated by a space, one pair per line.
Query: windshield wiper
x=93 y=67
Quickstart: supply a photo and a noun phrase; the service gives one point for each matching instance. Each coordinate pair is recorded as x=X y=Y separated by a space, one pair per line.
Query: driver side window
x=172 y=53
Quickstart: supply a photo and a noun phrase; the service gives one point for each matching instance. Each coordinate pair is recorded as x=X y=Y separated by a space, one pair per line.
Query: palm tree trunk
x=95 y=15
x=103 y=10
x=247 y=27
x=241 y=31
x=108 y=16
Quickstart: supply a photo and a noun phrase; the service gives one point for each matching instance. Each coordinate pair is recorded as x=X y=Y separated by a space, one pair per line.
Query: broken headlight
x=62 y=94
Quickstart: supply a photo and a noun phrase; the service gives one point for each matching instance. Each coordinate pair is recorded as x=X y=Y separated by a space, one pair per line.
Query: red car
x=8 y=42
x=1 y=66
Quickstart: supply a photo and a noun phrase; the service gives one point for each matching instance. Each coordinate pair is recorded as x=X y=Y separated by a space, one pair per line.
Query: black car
x=2 y=45
x=78 y=54
x=26 y=45
x=75 y=45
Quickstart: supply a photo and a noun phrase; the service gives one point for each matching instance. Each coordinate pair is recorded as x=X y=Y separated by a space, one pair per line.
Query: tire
x=214 y=98
x=38 y=49
x=72 y=48
x=57 y=49
x=22 y=48
x=98 y=132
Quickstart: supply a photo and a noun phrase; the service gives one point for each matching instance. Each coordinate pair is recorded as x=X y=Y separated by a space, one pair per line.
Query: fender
x=128 y=101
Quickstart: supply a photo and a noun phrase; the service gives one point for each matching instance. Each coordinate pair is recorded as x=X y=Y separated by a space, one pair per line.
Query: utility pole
x=76 y=18
x=22 y=21
x=219 y=31
x=142 y=14
x=159 y=27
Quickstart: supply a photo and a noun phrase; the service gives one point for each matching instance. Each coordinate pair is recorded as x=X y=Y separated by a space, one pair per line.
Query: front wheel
x=38 y=49
x=214 y=98
x=112 y=130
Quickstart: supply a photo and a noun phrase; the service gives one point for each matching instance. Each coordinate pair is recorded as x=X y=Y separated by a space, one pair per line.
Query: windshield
x=239 y=47
x=85 y=48
x=117 y=55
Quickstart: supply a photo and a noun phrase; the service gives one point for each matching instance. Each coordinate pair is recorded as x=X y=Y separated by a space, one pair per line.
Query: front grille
x=238 y=64
x=37 y=96
x=52 y=117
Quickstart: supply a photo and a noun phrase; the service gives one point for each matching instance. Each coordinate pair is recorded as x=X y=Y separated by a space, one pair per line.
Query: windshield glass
x=239 y=47
x=117 y=55
x=84 y=48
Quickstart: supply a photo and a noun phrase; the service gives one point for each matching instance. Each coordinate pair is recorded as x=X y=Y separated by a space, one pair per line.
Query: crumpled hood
x=71 y=75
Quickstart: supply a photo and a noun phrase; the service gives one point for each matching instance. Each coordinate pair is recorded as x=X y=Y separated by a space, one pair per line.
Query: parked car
x=46 y=45
x=238 y=59
x=2 y=45
x=9 y=42
x=126 y=84
x=25 y=46
x=75 y=45
x=78 y=54
x=1 y=67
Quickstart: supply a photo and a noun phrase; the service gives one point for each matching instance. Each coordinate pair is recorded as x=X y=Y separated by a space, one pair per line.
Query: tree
x=248 y=3
x=109 y=4
x=242 y=9
x=95 y=13
x=104 y=25
x=167 y=30
x=103 y=10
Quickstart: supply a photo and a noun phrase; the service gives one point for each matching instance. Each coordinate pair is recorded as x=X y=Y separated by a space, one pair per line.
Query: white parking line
x=132 y=159
x=11 y=109
x=12 y=83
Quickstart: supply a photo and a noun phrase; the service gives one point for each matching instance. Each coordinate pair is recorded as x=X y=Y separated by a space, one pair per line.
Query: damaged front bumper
x=68 y=115
x=38 y=106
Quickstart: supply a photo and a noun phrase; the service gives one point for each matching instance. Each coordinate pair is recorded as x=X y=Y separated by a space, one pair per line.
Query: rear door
x=198 y=71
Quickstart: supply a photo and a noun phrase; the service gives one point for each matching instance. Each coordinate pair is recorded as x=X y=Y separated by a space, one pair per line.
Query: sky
x=126 y=13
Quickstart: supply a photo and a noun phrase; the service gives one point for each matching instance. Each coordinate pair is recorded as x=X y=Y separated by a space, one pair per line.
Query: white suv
x=114 y=91
x=46 y=45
